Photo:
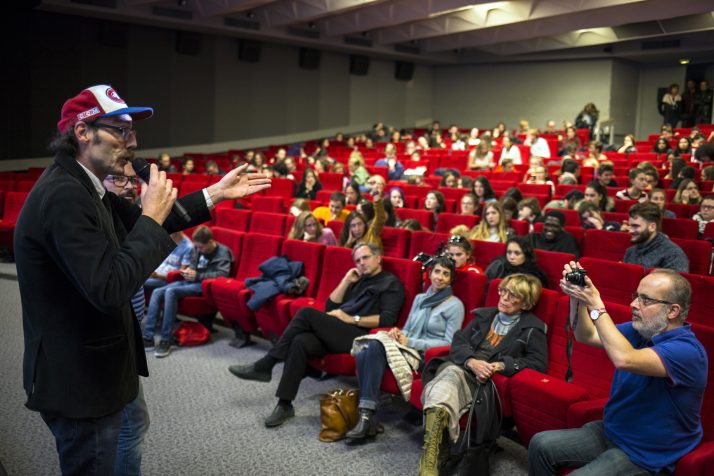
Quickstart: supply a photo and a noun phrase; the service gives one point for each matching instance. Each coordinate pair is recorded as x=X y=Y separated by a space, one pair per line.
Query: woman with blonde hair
x=309 y=228
x=493 y=226
x=358 y=173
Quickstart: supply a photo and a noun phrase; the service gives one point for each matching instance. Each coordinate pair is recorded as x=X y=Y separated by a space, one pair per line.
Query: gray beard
x=652 y=328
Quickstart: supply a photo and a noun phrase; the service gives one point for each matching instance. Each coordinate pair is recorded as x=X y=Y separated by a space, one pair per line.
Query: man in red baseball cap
x=81 y=253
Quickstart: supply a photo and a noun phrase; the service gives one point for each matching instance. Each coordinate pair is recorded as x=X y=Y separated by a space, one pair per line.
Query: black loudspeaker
x=403 y=70
x=309 y=58
x=359 y=65
x=249 y=50
x=188 y=43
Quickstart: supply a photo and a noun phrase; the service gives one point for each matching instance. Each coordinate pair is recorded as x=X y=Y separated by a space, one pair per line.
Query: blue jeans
x=153 y=283
x=168 y=296
x=86 y=446
x=135 y=424
x=371 y=364
x=586 y=448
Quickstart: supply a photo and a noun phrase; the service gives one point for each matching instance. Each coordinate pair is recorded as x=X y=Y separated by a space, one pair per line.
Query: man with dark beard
x=652 y=248
x=653 y=416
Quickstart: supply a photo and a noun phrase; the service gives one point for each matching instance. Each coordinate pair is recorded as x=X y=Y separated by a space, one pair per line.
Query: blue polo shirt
x=656 y=420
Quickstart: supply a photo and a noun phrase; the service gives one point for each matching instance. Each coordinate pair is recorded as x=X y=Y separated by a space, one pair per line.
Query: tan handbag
x=338 y=413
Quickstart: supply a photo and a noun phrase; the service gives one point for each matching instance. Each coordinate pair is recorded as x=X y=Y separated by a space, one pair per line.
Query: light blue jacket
x=432 y=327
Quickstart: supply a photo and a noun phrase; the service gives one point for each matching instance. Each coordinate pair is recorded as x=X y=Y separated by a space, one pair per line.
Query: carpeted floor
x=204 y=421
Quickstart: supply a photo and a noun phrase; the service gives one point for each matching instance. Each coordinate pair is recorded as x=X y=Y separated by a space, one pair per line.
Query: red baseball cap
x=95 y=102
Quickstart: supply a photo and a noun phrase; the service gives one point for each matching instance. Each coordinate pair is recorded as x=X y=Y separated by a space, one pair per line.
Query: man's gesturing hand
x=236 y=184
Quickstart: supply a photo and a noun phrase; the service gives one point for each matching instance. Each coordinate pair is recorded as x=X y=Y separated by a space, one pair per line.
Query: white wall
x=623 y=97
x=651 y=78
x=482 y=95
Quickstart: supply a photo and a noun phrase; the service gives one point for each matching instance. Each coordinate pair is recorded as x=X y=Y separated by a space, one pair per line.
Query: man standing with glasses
x=81 y=255
x=653 y=416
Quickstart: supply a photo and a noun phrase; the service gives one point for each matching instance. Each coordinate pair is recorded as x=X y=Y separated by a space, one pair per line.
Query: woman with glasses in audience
x=519 y=258
x=469 y=204
x=505 y=339
x=434 y=318
x=309 y=228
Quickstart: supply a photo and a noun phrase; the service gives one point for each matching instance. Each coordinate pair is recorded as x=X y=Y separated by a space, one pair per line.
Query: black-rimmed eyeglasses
x=122 y=180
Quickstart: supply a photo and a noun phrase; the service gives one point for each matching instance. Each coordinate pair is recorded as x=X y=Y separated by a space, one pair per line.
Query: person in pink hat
x=81 y=253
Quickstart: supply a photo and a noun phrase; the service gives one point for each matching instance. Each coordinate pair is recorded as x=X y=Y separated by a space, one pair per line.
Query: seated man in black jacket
x=367 y=297
x=554 y=237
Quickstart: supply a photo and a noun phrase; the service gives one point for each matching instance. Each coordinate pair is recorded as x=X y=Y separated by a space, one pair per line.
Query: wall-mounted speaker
x=359 y=65
x=249 y=50
x=403 y=70
x=309 y=58
x=188 y=43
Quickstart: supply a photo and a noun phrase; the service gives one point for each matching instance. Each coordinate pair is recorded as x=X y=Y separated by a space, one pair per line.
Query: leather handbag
x=338 y=413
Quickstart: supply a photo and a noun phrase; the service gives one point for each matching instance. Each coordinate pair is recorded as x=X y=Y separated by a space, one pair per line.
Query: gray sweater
x=660 y=252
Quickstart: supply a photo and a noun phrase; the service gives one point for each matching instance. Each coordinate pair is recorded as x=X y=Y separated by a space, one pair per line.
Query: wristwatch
x=357 y=318
x=596 y=313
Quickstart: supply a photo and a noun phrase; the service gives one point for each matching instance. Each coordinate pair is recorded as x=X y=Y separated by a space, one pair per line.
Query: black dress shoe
x=248 y=372
x=366 y=426
x=280 y=414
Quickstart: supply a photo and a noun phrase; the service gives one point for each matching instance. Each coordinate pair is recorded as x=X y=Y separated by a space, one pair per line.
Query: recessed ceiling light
x=684 y=61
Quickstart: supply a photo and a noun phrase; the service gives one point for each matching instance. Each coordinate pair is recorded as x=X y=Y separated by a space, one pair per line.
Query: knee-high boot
x=436 y=444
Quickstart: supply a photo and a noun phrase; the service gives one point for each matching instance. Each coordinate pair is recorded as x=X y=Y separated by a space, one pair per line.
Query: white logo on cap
x=112 y=94
x=92 y=112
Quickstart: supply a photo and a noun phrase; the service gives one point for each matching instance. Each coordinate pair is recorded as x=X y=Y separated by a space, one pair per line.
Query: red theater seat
x=485 y=251
x=447 y=221
x=395 y=242
x=233 y=218
x=282 y=188
x=11 y=210
x=426 y=242
x=425 y=217
x=552 y=264
x=699 y=253
x=609 y=245
x=272 y=204
x=224 y=292
x=680 y=228
x=268 y=223
x=275 y=315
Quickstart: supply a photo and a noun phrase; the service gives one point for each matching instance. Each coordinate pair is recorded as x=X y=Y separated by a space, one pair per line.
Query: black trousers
x=310 y=335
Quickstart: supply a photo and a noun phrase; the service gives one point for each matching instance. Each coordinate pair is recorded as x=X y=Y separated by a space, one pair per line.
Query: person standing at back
x=81 y=254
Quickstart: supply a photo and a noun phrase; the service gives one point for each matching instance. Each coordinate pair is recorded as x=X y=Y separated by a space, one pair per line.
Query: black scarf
x=434 y=299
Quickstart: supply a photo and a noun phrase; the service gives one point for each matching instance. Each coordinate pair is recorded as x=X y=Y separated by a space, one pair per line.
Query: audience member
x=367 y=297
x=213 y=169
x=483 y=191
x=650 y=247
x=396 y=196
x=587 y=118
x=493 y=225
x=519 y=258
x=459 y=249
x=687 y=193
x=571 y=139
x=595 y=155
x=705 y=213
x=539 y=146
x=671 y=106
x=502 y=340
x=180 y=258
x=684 y=146
x=686 y=172
x=412 y=225
x=703 y=104
x=569 y=172
x=662 y=147
x=211 y=260
x=510 y=151
x=450 y=179
x=539 y=175
x=394 y=167
x=510 y=208
x=481 y=157
x=435 y=203
x=300 y=205
x=569 y=201
x=554 y=237
x=358 y=173
x=469 y=204
x=358 y=228
x=597 y=194
x=605 y=173
x=658 y=197
x=591 y=217
x=638 y=185
x=335 y=211
x=309 y=186
x=353 y=193
x=188 y=166
x=628 y=145
x=657 y=389
x=309 y=228
x=434 y=317
x=529 y=210
x=164 y=163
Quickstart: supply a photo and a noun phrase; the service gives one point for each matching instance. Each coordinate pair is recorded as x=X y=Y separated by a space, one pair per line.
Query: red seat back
x=471 y=289
x=395 y=242
x=615 y=281
x=268 y=223
x=310 y=254
x=331 y=182
x=233 y=240
x=447 y=221
x=257 y=248
x=270 y=204
x=425 y=217
x=702 y=304
x=13 y=204
x=699 y=253
x=233 y=218
x=337 y=261
x=552 y=263
x=188 y=187
x=426 y=242
x=680 y=228
x=280 y=187
x=485 y=251
x=409 y=273
x=705 y=335
x=610 y=245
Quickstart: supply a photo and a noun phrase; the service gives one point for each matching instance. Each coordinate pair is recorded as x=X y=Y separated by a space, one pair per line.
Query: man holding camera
x=653 y=416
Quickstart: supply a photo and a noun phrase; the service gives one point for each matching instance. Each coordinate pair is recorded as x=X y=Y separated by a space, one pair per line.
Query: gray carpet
x=204 y=421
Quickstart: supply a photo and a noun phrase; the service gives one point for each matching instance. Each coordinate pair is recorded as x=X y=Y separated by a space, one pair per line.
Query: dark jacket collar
x=70 y=164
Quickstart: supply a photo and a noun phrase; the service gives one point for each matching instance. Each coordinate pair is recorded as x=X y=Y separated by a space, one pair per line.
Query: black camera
x=576 y=276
